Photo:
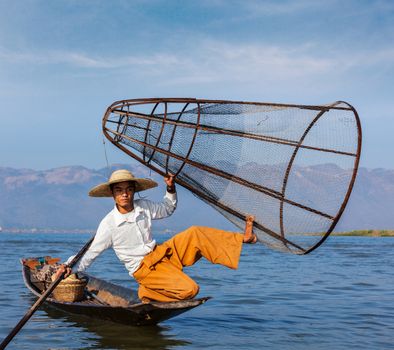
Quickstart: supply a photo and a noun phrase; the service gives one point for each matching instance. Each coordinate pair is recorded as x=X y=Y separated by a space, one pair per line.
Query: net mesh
x=290 y=166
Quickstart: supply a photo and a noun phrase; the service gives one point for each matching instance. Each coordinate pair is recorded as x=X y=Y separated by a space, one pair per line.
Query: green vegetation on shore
x=366 y=233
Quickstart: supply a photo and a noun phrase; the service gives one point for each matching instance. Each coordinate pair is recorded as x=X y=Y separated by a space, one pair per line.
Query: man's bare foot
x=249 y=236
x=145 y=300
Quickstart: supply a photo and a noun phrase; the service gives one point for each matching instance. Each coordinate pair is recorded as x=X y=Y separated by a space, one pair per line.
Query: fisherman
x=157 y=268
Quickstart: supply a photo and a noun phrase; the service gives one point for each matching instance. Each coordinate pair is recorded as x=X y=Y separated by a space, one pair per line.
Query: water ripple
x=339 y=297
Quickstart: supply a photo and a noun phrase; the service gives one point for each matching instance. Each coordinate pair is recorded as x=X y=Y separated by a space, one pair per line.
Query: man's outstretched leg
x=217 y=246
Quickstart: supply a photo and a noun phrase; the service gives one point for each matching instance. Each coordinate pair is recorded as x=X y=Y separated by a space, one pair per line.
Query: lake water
x=338 y=297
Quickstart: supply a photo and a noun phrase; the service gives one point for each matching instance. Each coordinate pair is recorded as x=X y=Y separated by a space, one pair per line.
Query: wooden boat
x=107 y=301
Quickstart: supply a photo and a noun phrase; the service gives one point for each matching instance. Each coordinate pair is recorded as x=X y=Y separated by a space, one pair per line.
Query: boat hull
x=114 y=303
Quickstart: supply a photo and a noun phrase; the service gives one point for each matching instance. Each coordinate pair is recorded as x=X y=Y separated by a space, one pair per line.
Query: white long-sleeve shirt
x=128 y=234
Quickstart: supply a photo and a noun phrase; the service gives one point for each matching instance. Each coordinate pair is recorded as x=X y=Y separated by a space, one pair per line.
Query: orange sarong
x=160 y=274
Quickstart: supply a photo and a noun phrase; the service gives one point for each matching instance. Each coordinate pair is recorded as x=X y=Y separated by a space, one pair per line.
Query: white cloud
x=258 y=8
x=216 y=61
x=82 y=60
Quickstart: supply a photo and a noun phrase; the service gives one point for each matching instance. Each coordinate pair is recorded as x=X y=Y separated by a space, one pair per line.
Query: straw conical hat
x=104 y=189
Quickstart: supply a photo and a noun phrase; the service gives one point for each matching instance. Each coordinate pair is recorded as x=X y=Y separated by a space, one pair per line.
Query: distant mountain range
x=56 y=199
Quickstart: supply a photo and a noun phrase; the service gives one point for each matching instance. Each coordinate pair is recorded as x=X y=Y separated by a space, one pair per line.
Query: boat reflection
x=117 y=336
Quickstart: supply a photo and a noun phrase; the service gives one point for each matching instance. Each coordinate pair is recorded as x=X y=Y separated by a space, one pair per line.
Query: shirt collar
x=129 y=217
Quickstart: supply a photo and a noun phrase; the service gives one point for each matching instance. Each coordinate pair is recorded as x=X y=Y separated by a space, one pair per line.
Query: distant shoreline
x=53 y=231
x=358 y=233
x=366 y=233
x=49 y=231
x=355 y=233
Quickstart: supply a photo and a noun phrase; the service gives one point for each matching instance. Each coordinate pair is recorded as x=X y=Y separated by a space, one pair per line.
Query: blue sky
x=63 y=62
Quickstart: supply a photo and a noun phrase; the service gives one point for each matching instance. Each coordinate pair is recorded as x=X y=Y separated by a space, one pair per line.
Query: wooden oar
x=44 y=296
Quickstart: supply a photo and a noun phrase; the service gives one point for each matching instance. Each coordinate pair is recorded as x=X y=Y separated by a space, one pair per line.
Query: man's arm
x=101 y=242
x=168 y=206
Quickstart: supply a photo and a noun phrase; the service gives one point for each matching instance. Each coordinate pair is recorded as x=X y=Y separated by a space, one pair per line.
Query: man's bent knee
x=190 y=292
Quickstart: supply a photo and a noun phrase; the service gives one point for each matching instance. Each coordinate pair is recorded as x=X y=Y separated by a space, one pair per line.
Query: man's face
x=123 y=193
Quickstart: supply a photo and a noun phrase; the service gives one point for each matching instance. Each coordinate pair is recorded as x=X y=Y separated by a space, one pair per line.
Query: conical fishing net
x=291 y=166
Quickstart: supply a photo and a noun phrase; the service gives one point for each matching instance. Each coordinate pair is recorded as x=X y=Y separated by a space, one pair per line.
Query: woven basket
x=70 y=289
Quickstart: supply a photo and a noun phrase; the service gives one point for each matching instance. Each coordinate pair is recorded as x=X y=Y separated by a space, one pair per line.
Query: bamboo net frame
x=292 y=166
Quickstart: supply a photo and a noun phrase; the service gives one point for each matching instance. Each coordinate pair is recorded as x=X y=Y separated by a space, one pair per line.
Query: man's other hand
x=170 y=182
x=62 y=268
